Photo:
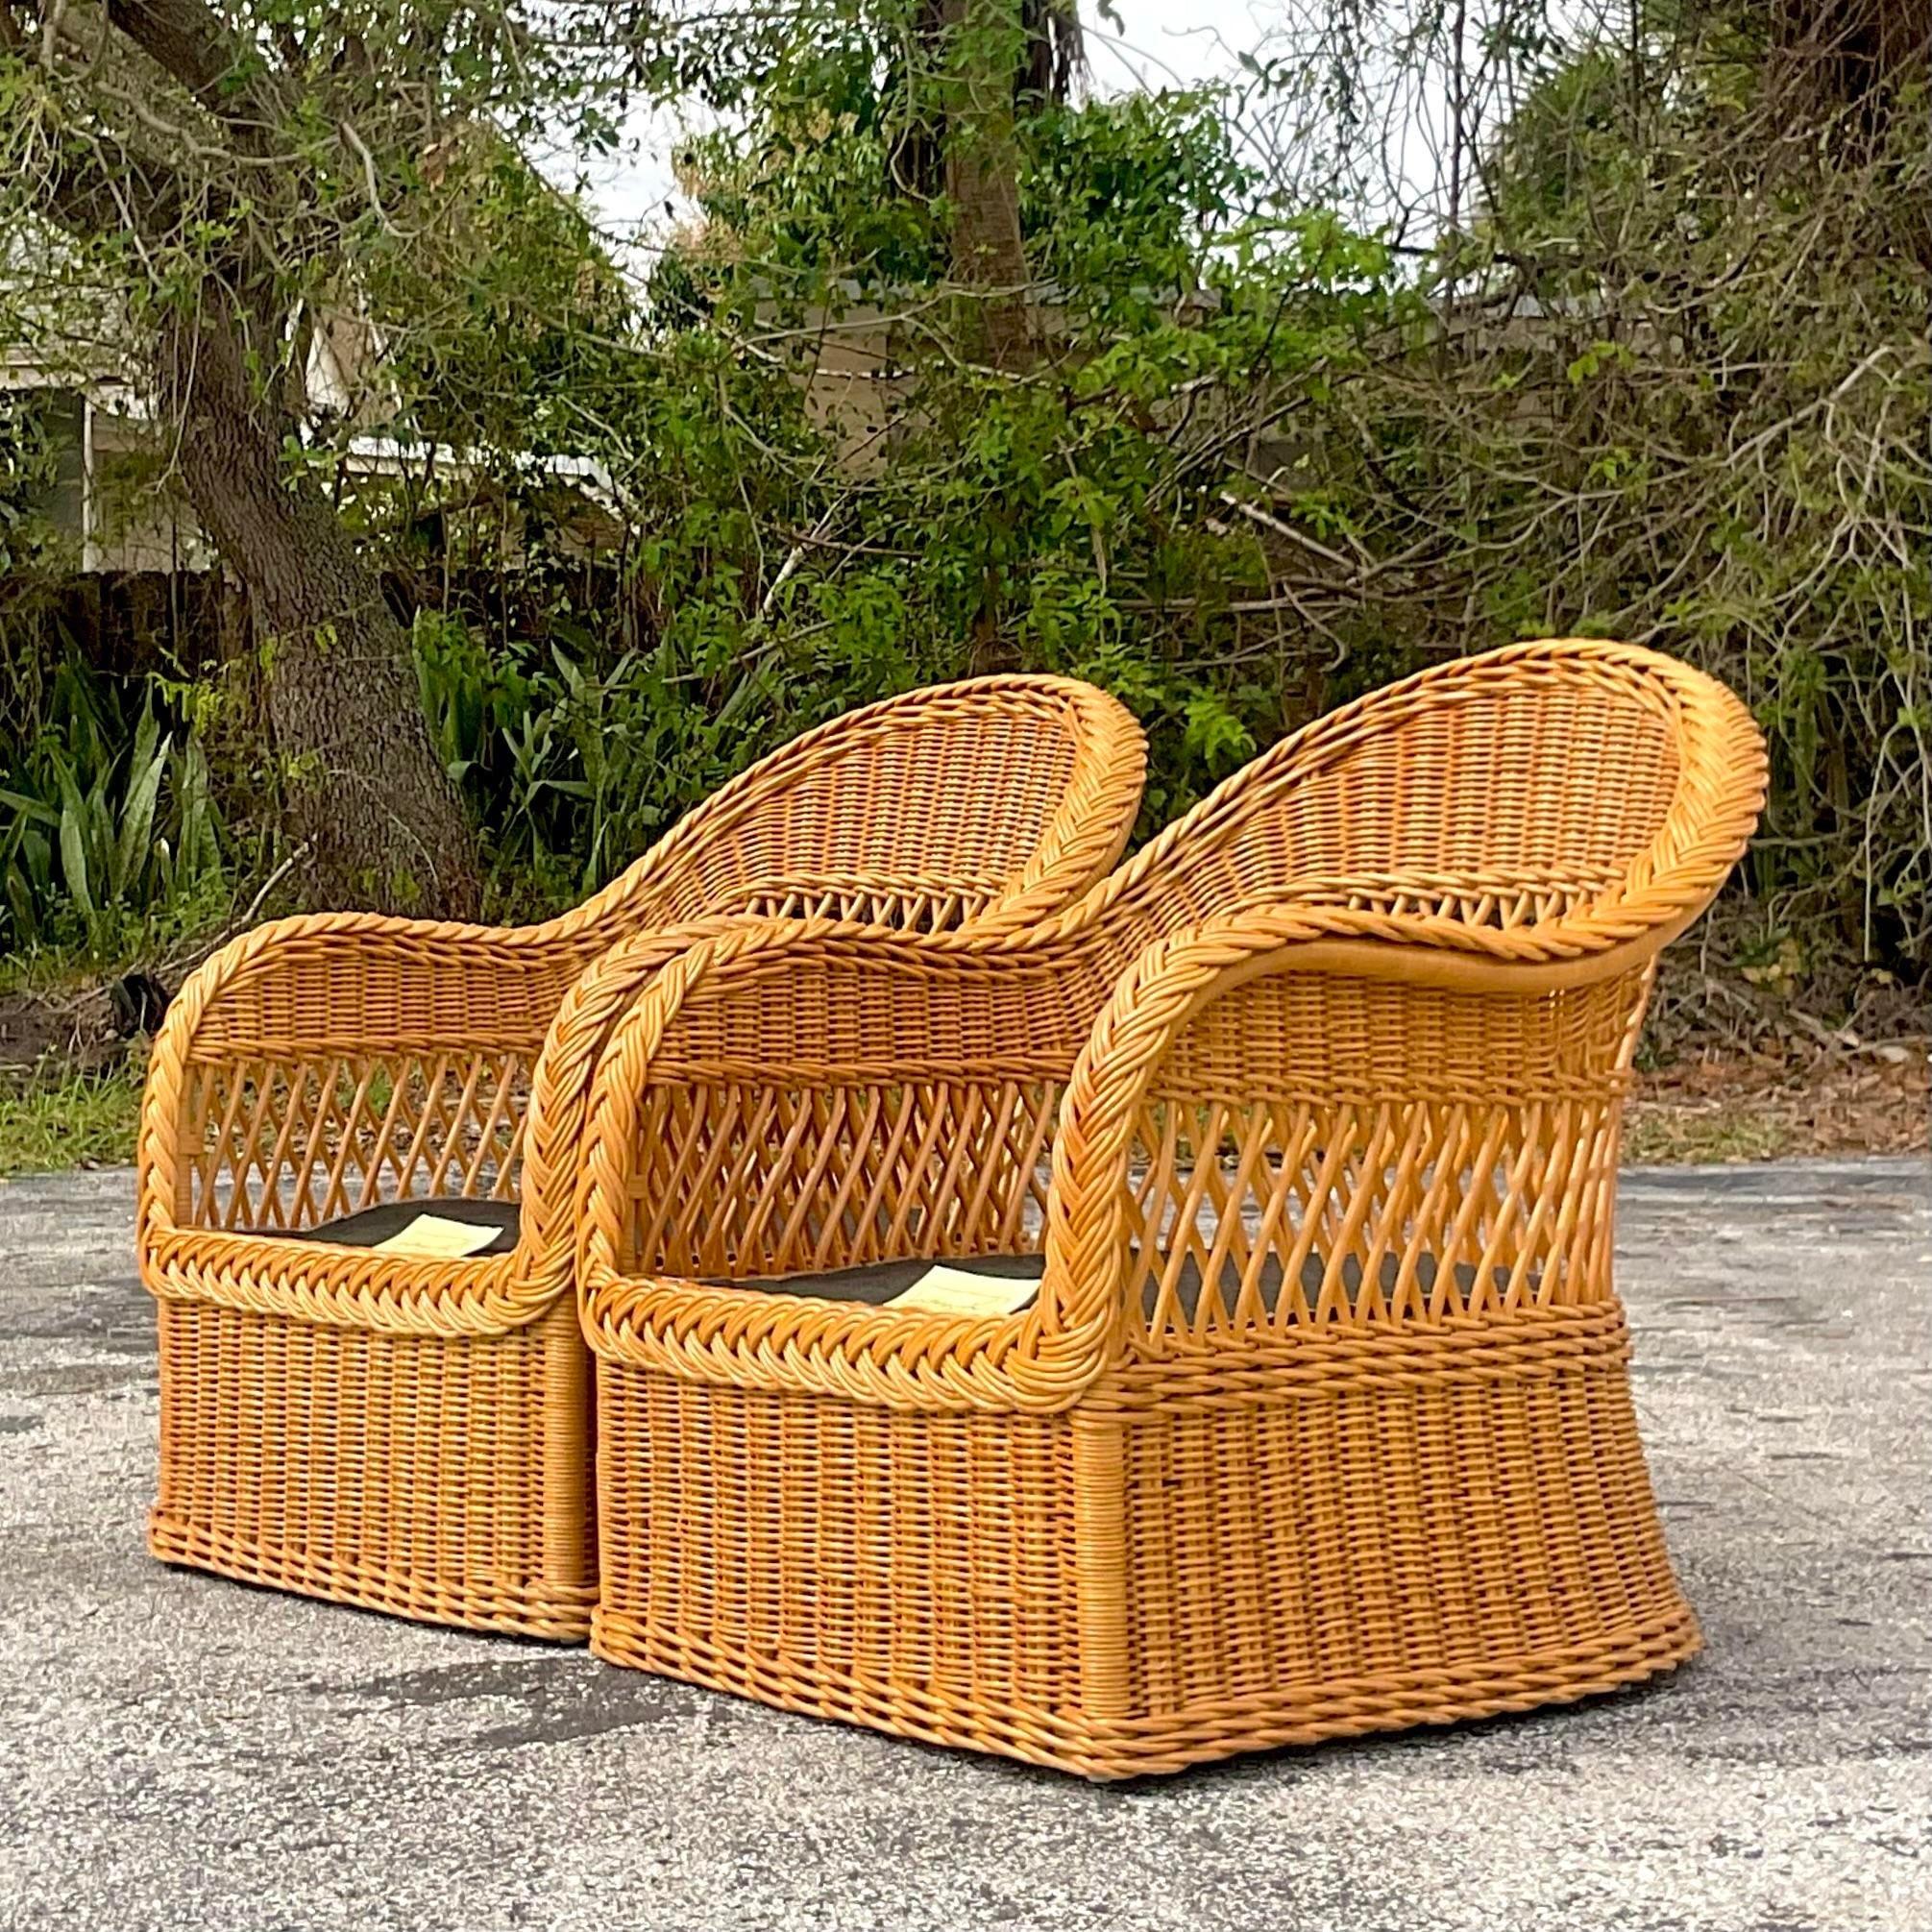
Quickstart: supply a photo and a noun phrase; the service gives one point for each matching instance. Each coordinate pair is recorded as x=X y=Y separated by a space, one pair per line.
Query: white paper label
x=957 y=1291
x=435 y=1236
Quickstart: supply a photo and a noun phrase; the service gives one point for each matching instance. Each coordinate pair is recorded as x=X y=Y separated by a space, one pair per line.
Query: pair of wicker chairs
x=1301 y=1127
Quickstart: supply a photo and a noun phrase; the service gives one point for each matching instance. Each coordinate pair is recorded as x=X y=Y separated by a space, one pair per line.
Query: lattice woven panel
x=745 y=1181
x=910 y=905
x=1262 y=1218
x=288 y=1145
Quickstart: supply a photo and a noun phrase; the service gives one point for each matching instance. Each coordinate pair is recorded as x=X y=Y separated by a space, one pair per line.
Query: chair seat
x=373 y=1226
x=881 y=1282
x=873 y=1284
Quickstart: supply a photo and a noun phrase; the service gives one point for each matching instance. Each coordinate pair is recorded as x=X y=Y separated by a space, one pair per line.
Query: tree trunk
x=364 y=789
x=984 y=41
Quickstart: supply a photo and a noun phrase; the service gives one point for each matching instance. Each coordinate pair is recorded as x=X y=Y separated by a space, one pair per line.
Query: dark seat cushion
x=377 y=1224
x=873 y=1284
x=880 y=1282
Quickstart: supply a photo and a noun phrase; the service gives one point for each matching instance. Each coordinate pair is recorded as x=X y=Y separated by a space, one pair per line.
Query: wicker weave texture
x=414 y=1436
x=1320 y=1422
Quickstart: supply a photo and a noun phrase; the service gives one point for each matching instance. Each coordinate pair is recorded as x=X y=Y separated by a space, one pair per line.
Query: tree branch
x=88 y=196
x=227 y=79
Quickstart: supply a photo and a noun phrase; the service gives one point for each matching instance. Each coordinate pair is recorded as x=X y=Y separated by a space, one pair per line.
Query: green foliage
x=1708 y=433
x=27 y=473
x=1123 y=198
x=573 y=770
x=1670 y=384
x=495 y=337
x=107 y=826
x=1072 y=519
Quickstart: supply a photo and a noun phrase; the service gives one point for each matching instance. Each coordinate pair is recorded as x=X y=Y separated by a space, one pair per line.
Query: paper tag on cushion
x=957 y=1291
x=437 y=1236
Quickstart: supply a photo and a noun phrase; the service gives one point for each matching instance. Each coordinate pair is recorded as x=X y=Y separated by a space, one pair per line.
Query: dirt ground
x=1722 y=1104
x=45 y=1036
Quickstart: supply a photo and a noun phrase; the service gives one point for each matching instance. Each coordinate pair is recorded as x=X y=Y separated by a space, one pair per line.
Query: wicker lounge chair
x=413 y=1435
x=1319 y=1422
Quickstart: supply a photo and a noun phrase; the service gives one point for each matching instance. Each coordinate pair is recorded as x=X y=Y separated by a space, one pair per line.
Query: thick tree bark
x=983 y=182
x=363 y=785
x=380 y=819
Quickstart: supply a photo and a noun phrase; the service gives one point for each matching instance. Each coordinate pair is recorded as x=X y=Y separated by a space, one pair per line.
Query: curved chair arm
x=560 y=1091
x=1177 y=978
x=767 y=1008
x=343 y=985
x=304 y=991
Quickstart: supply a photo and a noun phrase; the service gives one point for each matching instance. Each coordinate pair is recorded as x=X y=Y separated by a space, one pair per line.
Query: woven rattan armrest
x=299 y=993
x=1428 y=977
x=773 y=1006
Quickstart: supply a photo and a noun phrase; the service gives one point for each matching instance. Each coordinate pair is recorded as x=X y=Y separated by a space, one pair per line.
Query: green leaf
x=74 y=854
x=138 y=814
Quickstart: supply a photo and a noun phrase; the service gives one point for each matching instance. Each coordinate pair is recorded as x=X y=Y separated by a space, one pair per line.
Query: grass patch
x=76 y=1120
x=1663 y=1136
